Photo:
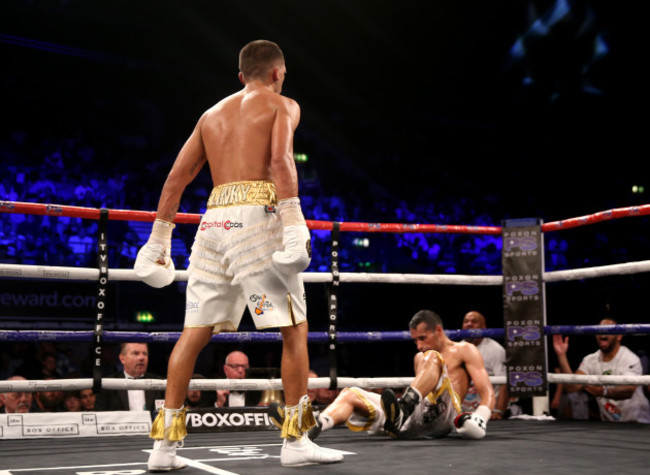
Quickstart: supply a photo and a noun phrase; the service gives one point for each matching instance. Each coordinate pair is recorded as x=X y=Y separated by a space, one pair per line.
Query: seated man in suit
x=236 y=367
x=135 y=359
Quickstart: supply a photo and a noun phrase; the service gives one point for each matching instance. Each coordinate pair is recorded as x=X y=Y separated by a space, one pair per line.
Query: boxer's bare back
x=245 y=136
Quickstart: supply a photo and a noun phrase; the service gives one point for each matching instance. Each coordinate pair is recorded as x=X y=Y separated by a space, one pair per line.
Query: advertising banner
x=228 y=419
x=74 y=424
x=524 y=307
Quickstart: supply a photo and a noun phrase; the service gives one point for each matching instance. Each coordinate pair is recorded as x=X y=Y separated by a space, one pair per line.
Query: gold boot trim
x=177 y=430
x=298 y=419
x=158 y=426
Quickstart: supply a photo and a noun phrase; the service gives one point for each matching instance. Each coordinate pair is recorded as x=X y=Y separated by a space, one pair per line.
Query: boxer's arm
x=501 y=403
x=502 y=395
x=473 y=425
x=153 y=263
x=187 y=165
x=296 y=239
x=476 y=369
x=283 y=165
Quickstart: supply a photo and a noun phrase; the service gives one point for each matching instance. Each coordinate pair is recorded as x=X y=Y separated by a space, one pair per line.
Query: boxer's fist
x=297 y=250
x=296 y=239
x=470 y=425
x=154 y=264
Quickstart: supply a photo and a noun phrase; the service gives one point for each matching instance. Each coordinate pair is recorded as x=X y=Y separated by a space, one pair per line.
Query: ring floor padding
x=513 y=446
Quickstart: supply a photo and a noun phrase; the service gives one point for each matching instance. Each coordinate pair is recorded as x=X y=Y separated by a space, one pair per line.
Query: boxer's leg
x=277 y=300
x=298 y=449
x=345 y=404
x=181 y=363
x=339 y=411
x=295 y=362
x=169 y=427
x=428 y=370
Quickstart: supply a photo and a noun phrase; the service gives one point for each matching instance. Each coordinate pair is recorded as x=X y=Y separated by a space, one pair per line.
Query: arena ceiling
x=484 y=91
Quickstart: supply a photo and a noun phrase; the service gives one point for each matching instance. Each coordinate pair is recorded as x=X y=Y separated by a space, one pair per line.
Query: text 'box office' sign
x=228 y=419
x=110 y=423
x=74 y=424
x=524 y=307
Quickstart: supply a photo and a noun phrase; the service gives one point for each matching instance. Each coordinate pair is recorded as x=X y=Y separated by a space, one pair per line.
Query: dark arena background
x=439 y=112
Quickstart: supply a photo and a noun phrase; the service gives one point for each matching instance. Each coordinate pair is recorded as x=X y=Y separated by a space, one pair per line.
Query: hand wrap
x=296 y=238
x=154 y=264
x=473 y=425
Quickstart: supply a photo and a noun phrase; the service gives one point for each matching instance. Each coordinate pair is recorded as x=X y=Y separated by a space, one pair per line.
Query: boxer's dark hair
x=430 y=318
x=257 y=57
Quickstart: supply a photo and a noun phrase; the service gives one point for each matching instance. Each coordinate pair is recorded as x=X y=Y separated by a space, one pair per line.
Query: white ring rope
x=75 y=273
x=598 y=271
x=276 y=384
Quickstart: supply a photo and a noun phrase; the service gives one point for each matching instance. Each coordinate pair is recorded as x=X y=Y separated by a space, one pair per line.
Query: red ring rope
x=189 y=218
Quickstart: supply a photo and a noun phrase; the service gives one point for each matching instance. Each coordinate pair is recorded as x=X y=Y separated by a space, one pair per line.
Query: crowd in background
x=48 y=360
x=116 y=153
x=70 y=171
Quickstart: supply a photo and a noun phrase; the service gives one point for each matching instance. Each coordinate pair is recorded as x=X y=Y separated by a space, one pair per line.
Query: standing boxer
x=250 y=247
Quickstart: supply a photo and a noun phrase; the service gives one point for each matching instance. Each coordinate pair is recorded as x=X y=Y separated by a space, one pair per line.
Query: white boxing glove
x=154 y=264
x=296 y=238
x=473 y=425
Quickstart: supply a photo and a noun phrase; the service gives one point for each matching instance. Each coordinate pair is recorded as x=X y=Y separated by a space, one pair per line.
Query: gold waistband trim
x=260 y=192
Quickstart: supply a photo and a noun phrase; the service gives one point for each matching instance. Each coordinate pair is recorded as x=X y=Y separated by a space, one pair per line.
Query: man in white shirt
x=494 y=358
x=619 y=403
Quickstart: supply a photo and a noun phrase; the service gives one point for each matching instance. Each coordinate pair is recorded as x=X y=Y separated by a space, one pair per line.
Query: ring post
x=333 y=304
x=102 y=263
x=524 y=310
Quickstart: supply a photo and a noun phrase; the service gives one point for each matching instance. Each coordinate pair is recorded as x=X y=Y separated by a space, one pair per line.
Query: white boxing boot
x=168 y=430
x=163 y=457
x=301 y=452
x=298 y=450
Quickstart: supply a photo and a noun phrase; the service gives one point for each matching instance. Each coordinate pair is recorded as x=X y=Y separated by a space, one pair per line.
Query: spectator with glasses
x=235 y=367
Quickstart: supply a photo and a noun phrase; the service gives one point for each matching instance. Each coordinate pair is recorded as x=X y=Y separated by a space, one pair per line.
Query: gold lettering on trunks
x=243 y=193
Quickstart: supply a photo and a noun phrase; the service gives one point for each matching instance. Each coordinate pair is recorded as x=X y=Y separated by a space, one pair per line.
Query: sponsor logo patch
x=262 y=304
x=226 y=224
